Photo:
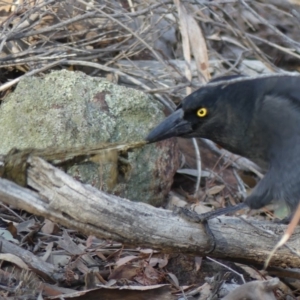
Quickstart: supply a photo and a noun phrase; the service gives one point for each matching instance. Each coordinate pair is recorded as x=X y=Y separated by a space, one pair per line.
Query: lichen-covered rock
x=66 y=109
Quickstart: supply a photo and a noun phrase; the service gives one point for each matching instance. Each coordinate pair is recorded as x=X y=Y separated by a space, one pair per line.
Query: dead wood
x=42 y=268
x=64 y=200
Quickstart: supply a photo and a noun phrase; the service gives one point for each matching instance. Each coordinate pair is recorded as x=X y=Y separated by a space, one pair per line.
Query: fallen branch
x=66 y=201
x=42 y=268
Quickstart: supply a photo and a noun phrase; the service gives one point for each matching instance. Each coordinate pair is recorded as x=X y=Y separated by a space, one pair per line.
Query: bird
x=254 y=117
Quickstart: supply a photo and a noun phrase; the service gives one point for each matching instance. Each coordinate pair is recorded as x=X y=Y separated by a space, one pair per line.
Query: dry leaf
x=215 y=190
x=199 y=49
x=49 y=227
x=182 y=14
x=14 y=259
x=125 y=272
x=161 y=262
x=12 y=229
x=125 y=260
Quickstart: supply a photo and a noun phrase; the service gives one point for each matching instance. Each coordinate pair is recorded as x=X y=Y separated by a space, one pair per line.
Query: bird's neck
x=243 y=142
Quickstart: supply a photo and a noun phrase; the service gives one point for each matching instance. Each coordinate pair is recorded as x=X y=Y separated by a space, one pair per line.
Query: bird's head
x=212 y=112
x=255 y=117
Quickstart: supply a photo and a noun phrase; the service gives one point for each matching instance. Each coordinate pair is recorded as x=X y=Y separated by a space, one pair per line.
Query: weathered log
x=66 y=201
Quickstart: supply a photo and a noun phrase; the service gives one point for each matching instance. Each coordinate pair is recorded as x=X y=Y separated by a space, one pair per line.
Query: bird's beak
x=173 y=125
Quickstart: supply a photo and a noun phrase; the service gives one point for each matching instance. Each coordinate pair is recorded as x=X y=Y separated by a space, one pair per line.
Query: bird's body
x=258 y=118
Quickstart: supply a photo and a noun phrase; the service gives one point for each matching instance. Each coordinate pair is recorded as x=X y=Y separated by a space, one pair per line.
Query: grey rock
x=70 y=109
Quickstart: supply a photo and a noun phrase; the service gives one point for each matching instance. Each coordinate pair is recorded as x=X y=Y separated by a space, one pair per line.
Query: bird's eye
x=202 y=112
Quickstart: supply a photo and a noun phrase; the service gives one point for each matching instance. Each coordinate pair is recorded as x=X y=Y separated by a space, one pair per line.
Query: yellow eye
x=202 y=112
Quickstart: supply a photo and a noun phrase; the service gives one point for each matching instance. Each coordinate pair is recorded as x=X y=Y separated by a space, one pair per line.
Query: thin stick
x=9 y=84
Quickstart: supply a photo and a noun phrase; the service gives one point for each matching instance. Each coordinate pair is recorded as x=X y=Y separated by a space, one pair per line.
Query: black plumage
x=258 y=118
